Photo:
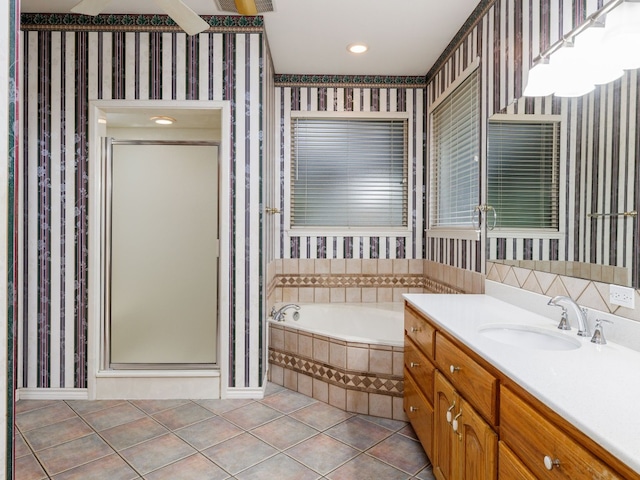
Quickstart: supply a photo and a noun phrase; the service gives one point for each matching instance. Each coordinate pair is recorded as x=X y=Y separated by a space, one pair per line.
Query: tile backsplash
x=587 y=293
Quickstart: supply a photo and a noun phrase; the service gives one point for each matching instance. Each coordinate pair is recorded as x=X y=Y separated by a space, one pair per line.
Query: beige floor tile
x=57 y=433
x=112 y=417
x=41 y=417
x=195 y=467
x=284 y=432
x=183 y=415
x=279 y=467
x=132 y=433
x=209 y=432
x=322 y=453
x=157 y=453
x=239 y=453
x=111 y=467
x=28 y=468
x=64 y=457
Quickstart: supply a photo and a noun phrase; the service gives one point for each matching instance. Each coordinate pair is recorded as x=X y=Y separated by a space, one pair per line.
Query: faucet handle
x=564 y=319
x=598 y=332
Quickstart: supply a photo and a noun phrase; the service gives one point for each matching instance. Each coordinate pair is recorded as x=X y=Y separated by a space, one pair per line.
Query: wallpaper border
x=328 y=80
x=135 y=23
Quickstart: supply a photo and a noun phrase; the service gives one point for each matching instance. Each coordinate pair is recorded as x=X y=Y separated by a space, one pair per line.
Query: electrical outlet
x=623 y=296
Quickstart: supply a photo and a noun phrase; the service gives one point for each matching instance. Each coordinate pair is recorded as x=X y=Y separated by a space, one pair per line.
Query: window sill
x=347 y=232
x=454 y=233
x=541 y=234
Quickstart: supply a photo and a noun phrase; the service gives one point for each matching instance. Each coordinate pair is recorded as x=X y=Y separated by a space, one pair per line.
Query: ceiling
x=405 y=37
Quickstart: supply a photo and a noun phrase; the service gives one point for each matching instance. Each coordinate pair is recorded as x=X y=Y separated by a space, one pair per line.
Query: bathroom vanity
x=495 y=391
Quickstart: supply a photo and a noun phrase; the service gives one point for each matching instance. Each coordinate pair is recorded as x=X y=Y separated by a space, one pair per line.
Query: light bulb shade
x=602 y=73
x=571 y=87
x=591 y=60
x=540 y=81
x=622 y=35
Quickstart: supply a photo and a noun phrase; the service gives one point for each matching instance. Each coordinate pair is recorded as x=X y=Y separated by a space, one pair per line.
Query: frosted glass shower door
x=164 y=253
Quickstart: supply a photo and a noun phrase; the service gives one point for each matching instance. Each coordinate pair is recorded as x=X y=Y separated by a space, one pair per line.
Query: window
x=522 y=173
x=349 y=172
x=454 y=156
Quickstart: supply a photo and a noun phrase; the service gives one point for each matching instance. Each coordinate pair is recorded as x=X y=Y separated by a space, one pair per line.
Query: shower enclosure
x=161 y=254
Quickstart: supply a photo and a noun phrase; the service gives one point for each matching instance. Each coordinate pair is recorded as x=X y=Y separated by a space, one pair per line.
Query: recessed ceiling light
x=163 y=120
x=357 y=48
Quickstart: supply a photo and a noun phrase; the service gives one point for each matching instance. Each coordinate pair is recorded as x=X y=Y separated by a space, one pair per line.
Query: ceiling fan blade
x=91 y=7
x=246 y=7
x=188 y=20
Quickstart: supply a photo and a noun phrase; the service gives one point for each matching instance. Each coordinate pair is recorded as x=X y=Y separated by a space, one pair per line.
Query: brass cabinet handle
x=449 y=414
x=454 y=423
x=415 y=329
x=413 y=409
x=414 y=364
x=454 y=369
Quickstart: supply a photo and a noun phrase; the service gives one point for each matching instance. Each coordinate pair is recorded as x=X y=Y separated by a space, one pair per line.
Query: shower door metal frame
x=106 y=160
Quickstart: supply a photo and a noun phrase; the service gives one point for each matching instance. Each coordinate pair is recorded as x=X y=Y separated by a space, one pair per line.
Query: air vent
x=230 y=6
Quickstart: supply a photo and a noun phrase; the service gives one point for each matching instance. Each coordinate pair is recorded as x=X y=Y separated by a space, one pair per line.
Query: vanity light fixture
x=595 y=53
x=357 y=48
x=163 y=120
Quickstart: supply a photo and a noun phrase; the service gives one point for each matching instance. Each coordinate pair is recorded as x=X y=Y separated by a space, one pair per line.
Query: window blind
x=522 y=173
x=348 y=172
x=454 y=156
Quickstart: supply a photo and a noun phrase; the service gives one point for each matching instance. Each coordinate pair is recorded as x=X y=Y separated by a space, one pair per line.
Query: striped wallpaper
x=350 y=97
x=602 y=140
x=63 y=67
x=9 y=109
x=66 y=62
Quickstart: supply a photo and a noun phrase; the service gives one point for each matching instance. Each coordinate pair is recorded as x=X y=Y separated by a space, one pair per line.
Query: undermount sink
x=526 y=336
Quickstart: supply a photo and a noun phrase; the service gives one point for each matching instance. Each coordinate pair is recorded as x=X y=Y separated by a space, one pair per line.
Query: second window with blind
x=454 y=156
x=523 y=164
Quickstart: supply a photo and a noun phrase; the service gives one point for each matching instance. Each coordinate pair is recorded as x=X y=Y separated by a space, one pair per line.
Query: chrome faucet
x=278 y=314
x=581 y=316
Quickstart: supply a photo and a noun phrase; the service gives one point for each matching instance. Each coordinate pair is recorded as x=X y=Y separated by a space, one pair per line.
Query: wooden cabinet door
x=532 y=437
x=420 y=413
x=509 y=465
x=443 y=438
x=477 y=446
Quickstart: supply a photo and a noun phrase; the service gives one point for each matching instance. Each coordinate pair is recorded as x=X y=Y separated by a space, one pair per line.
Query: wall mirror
x=562 y=176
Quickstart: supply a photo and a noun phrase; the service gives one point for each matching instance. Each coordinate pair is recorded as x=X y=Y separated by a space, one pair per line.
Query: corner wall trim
x=52 y=394
x=253 y=393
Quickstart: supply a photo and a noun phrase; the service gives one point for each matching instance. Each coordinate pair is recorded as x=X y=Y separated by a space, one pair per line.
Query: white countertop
x=595 y=387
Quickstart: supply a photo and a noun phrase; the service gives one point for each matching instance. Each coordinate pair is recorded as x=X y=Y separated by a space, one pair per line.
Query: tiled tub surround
x=363 y=281
x=355 y=377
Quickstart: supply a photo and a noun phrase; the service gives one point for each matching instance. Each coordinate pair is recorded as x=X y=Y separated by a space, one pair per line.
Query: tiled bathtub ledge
x=356 y=377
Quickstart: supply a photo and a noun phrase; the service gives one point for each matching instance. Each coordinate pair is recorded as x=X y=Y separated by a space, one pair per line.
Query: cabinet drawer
x=477 y=385
x=532 y=438
x=510 y=466
x=421 y=369
x=420 y=413
x=421 y=332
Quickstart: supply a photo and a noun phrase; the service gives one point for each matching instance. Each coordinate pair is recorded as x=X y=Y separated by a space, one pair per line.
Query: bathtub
x=379 y=324
x=348 y=355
